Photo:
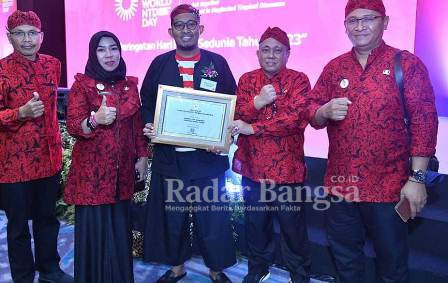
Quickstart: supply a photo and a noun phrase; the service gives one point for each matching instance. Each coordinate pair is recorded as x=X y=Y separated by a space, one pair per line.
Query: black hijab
x=93 y=67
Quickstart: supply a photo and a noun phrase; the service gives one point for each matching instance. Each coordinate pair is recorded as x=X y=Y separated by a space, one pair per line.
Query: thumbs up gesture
x=105 y=115
x=33 y=108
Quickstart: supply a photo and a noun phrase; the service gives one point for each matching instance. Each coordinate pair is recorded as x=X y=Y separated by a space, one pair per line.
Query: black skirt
x=103 y=243
x=167 y=235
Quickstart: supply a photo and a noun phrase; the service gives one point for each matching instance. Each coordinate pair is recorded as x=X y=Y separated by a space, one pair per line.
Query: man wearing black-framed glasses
x=187 y=66
x=358 y=100
x=30 y=152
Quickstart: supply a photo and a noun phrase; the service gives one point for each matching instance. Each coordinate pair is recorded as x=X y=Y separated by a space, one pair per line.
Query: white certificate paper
x=193 y=118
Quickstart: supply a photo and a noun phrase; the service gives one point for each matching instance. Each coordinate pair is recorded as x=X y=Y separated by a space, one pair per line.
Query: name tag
x=208 y=84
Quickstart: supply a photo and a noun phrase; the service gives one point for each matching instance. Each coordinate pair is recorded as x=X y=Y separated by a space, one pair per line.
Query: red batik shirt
x=275 y=150
x=103 y=162
x=370 y=148
x=30 y=149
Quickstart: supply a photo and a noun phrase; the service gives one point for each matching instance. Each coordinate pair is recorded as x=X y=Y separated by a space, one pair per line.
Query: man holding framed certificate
x=187 y=184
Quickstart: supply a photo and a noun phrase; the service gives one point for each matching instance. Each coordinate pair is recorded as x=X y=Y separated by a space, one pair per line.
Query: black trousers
x=258 y=217
x=168 y=229
x=103 y=243
x=347 y=223
x=36 y=200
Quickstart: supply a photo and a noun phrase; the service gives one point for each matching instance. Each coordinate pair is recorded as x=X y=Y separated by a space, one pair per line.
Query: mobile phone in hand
x=403 y=208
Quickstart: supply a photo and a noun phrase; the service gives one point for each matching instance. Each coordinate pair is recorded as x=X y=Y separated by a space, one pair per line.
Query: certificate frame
x=193 y=118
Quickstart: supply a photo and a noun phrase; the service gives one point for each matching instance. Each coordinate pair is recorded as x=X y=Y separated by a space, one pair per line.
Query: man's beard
x=187 y=48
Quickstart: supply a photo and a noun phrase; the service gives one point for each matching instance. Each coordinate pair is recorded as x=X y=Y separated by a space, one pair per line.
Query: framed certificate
x=193 y=118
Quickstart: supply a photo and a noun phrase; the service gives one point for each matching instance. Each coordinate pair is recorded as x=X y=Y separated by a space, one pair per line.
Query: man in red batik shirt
x=358 y=100
x=270 y=158
x=30 y=151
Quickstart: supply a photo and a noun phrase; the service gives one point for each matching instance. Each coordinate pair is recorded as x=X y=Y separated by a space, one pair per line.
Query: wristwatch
x=419 y=175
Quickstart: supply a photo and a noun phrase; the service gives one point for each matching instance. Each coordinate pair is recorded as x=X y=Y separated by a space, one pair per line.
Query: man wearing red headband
x=30 y=151
x=168 y=231
x=270 y=124
x=358 y=100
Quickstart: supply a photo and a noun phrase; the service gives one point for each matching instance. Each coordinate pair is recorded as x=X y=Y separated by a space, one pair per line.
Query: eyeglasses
x=266 y=51
x=351 y=23
x=32 y=34
x=180 y=26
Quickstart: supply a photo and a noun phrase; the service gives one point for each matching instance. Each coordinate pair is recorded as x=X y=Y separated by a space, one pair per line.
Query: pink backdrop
x=7 y=7
x=232 y=28
x=431 y=45
x=316 y=28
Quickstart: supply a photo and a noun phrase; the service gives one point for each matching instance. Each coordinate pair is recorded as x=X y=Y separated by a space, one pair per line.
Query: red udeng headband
x=277 y=34
x=19 y=18
x=184 y=9
x=374 y=5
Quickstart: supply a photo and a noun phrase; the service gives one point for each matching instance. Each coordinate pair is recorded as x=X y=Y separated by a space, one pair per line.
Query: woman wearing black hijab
x=110 y=153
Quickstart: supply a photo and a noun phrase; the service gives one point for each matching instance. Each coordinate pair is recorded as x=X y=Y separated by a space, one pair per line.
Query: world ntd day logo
x=151 y=10
x=126 y=13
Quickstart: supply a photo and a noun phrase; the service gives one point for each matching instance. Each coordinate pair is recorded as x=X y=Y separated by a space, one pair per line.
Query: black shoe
x=55 y=277
x=170 y=277
x=257 y=277
x=221 y=278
